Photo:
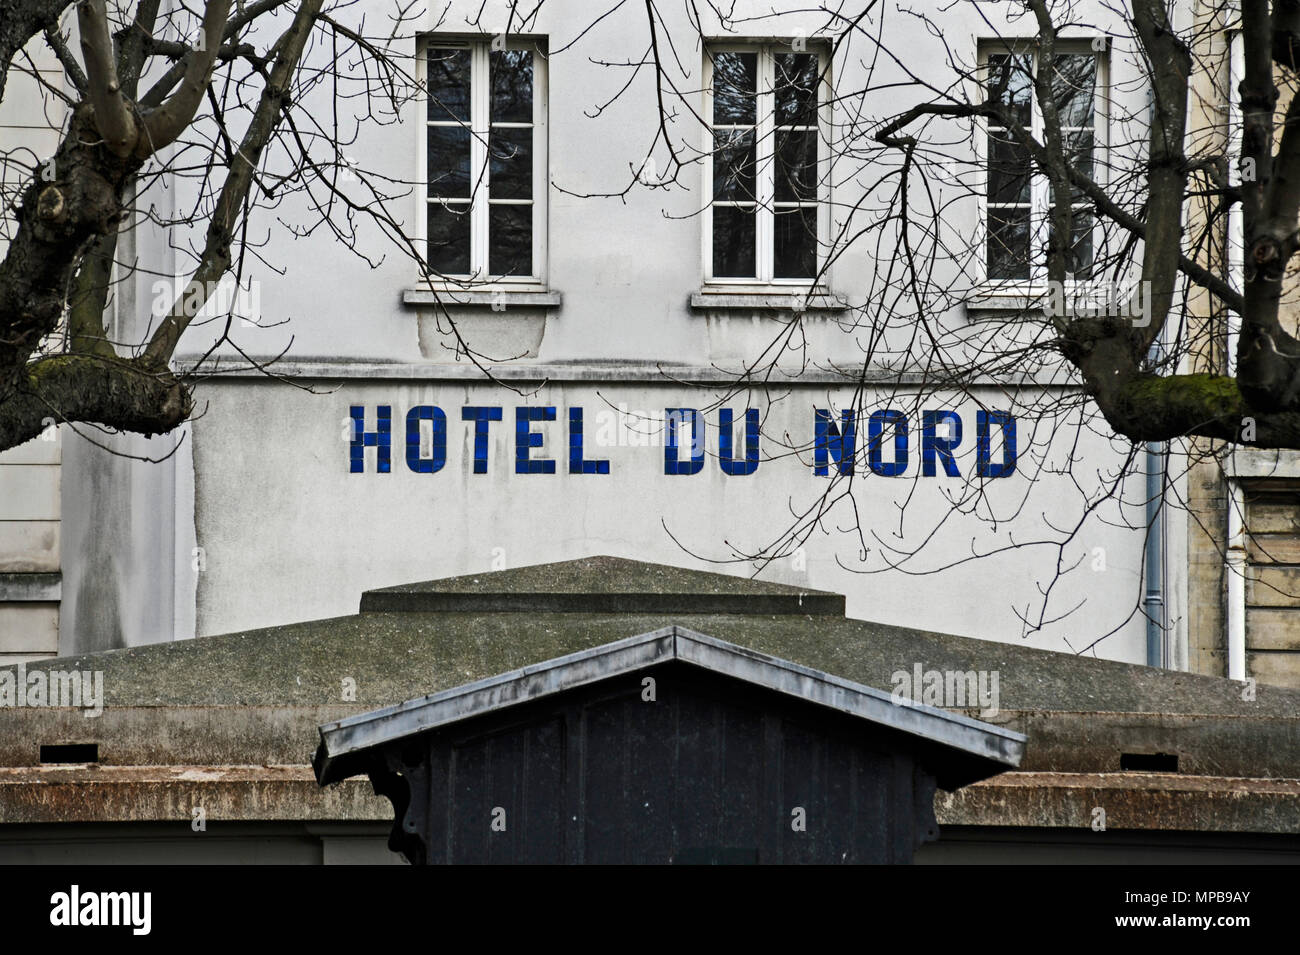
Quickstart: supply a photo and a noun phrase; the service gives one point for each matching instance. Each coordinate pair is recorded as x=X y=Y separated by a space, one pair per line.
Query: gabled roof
x=994 y=748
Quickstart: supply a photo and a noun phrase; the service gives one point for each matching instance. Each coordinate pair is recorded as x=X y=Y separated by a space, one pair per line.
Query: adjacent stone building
x=1243 y=535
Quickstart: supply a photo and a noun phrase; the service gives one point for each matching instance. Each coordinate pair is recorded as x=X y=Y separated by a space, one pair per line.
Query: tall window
x=1018 y=198
x=765 y=222
x=485 y=152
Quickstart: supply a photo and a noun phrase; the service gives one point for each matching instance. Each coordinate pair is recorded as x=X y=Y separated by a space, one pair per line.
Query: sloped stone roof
x=966 y=749
x=257 y=697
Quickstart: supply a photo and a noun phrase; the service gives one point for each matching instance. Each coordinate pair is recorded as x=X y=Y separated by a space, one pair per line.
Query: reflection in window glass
x=1011 y=84
x=448 y=230
x=448 y=156
x=733 y=165
x=1074 y=83
x=1017 y=195
x=735 y=89
x=448 y=85
x=512 y=86
x=797 y=79
x=796 y=243
x=796 y=165
x=510 y=169
x=482 y=161
x=1009 y=170
x=1008 y=243
x=767 y=141
x=511 y=228
x=733 y=242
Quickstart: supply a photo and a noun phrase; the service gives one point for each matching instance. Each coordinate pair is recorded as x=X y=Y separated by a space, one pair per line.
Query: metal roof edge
x=343 y=737
x=854 y=699
x=531 y=682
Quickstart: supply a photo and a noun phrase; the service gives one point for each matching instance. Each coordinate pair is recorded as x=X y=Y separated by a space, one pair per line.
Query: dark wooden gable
x=711 y=770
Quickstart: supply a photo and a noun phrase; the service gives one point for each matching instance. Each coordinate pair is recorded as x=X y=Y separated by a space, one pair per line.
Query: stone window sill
x=497 y=299
x=1002 y=302
x=771 y=299
x=1000 y=310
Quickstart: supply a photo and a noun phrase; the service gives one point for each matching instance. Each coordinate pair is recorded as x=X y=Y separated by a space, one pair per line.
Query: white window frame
x=480 y=105
x=1039 y=189
x=765 y=168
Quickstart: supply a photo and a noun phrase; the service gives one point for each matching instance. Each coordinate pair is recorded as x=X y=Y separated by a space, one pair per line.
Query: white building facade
x=618 y=355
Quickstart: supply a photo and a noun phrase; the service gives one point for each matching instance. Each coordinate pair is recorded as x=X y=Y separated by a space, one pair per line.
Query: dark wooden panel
x=541 y=813
x=469 y=813
x=605 y=782
x=803 y=754
x=836 y=832
x=743 y=772
x=651 y=746
x=875 y=827
x=709 y=771
x=513 y=777
x=697 y=771
x=437 y=817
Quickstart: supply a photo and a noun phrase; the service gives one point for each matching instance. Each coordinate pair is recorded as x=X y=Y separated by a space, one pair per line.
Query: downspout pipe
x=1235 y=560
x=1154 y=600
x=1236 y=573
x=1153 y=574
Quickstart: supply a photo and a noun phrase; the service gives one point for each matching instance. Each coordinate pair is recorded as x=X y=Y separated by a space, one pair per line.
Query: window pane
x=1079 y=263
x=512 y=86
x=733 y=165
x=1008 y=244
x=510 y=239
x=796 y=243
x=1073 y=83
x=1078 y=145
x=1009 y=169
x=449 y=161
x=797 y=75
x=796 y=166
x=735 y=84
x=733 y=242
x=1011 y=84
x=1078 y=153
x=449 y=238
x=448 y=84
x=510 y=153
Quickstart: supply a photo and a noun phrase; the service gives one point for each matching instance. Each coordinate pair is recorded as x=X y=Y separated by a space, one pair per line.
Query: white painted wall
x=286 y=533
x=289 y=533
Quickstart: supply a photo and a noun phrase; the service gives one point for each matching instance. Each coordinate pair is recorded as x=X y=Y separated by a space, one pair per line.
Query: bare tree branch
x=113 y=116
x=164 y=124
x=216 y=257
x=56 y=42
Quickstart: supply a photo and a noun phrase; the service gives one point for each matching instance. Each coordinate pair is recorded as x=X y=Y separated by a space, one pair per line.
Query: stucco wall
x=280 y=530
